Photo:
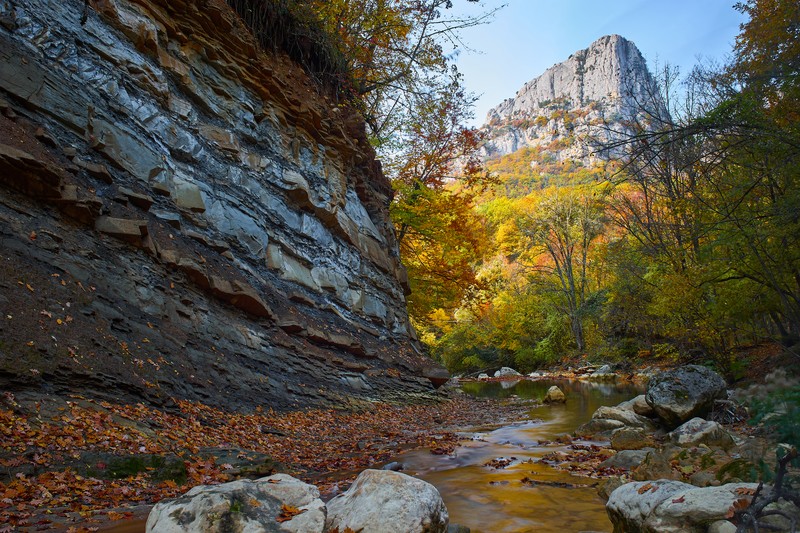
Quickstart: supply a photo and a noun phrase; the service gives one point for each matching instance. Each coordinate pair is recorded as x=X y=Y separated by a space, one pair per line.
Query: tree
x=561 y=228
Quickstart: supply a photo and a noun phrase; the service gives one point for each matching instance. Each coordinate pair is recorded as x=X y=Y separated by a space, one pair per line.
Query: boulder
x=657 y=464
x=383 y=501
x=666 y=506
x=598 y=427
x=554 y=395
x=483 y=376
x=698 y=431
x=604 y=373
x=506 y=372
x=629 y=418
x=627 y=459
x=244 y=505
x=629 y=438
x=684 y=393
x=638 y=405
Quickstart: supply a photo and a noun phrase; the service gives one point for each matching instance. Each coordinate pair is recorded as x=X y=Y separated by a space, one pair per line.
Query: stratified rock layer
x=184 y=216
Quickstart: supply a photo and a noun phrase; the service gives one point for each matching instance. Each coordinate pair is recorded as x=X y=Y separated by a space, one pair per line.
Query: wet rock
x=242 y=505
x=555 y=395
x=382 y=501
x=698 y=431
x=684 y=393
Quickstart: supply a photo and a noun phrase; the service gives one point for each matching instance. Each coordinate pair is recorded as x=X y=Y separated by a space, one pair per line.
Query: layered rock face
x=184 y=216
x=568 y=103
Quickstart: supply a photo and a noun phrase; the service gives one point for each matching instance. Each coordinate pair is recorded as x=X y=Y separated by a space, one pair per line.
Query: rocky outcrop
x=560 y=109
x=278 y=503
x=683 y=393
x=183 y=215
x=382 y=501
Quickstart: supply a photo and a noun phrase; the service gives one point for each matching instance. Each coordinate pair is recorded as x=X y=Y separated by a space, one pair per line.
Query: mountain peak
x=607 y=69
x=606 y=78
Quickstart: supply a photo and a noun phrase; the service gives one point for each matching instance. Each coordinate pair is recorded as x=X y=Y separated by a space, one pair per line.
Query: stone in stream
x=628 y=418
x=506 y=372
x=666 y=506
x=555 y=395
x=638 y=405
x=382 y=501
x=242 y=505
x=629 y=438
x=684 y=393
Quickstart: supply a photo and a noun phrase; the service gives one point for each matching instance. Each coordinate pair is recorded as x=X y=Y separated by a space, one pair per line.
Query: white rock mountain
x=557 y=111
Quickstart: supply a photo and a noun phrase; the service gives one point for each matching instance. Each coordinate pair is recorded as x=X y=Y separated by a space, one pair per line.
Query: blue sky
x=528 y=36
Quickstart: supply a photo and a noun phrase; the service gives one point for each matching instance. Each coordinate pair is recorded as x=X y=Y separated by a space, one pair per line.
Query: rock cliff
x=560 y=109
x=183 y=215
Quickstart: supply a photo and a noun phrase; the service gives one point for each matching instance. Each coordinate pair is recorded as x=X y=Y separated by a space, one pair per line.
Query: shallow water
x=492 y=500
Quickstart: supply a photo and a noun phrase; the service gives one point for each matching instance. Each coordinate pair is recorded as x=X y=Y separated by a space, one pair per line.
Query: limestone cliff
x=560 y=109
x=183 y=215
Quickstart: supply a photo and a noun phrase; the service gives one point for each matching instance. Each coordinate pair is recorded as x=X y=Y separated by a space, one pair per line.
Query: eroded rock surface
x=182 y=215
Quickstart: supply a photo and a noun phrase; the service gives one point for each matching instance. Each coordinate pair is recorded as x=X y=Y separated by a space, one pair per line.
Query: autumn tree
x=561 y=227
x=709 y=191
x=436 y=176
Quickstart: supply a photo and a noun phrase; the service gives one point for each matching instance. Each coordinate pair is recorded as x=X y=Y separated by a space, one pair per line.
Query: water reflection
x=496 y=500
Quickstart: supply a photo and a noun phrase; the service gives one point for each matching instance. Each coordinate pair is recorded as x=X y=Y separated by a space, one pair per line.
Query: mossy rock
x=158 y=467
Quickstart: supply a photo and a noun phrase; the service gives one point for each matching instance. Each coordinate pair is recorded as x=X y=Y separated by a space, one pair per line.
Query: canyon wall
x=185 y=216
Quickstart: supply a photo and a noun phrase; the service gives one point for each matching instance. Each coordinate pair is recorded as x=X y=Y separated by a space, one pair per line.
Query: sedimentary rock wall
x=182 y=215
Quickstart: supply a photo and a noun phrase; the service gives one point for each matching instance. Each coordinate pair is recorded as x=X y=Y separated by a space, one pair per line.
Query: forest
x=683 y=246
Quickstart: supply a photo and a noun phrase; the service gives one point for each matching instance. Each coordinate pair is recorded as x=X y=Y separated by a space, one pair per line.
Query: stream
x=489 y=500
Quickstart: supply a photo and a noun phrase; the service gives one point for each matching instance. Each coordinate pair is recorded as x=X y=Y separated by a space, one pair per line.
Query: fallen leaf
x=288 y=512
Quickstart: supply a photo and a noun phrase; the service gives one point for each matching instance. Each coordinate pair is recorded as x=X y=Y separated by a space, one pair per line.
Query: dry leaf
x=288 y=512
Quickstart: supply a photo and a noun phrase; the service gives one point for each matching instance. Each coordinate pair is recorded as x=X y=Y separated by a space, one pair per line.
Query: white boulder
x=245 y=505
x=666 y=506
x=382 y=501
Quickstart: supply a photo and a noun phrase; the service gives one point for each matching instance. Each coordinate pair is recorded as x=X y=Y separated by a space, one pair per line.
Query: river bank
x=78 y=461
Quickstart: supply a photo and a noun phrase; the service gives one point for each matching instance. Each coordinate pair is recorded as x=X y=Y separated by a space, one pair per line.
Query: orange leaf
x=288 y=512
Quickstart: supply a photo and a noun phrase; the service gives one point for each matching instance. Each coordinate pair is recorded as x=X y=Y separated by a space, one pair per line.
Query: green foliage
x=779 y=411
